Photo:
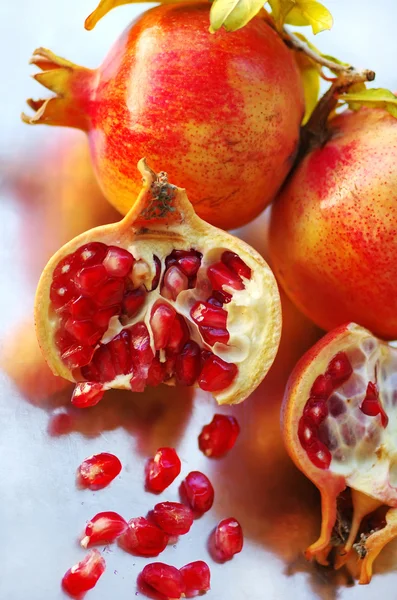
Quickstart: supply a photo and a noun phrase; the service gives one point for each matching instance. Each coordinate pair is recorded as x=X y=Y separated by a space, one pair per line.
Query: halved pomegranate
x=159 y=297
x=339 y=428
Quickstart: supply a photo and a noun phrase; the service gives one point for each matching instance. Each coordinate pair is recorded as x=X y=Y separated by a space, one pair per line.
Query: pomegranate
x=84 y=576
x=164 y=579
x=219 y=436
x=220 y=113
x=162 y=470
x=97 y=471
x=105 y=527
x=228 y=539
x=143 y=538
x=173 y=518
x=338 y=427
x=197 y=490
x=196 y=576
x=158 y=298
x=338 y=213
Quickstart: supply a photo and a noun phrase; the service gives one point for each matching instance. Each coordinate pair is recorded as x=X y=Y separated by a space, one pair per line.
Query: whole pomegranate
x=159 y=297
x=338 y=422
x=333 y=239
x=220 y=113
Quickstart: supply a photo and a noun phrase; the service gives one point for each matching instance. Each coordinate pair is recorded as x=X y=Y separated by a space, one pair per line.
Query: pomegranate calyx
x=71 y=84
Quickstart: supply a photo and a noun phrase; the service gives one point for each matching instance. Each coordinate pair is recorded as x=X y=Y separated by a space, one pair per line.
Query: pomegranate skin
x=219 y=113
x=333 y=235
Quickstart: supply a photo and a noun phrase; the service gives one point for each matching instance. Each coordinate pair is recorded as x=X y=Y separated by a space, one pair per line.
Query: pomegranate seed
x=63 y=340
x=87 y=394
x=84 y=576
x=219 y=275
x=189 y=265
x=142 y=356
x=90 y=373
x=212 y=336
x=104 y=315
x=319 y=454
x=164 y=579
x=143 y=538
x=214 y=301
x=339 y=369
x=234 y=262
x=174 y=283
x=67 y=266
x=133 y=301
x=110 y=293
x=198 y=491
x=316 y=410
x=307 y=432
x=196 y=576
x=90 y=279
x=179 y=335
x=219 y=436
x=161 y=321
x=188 y=364
x=221 y=296
x=162 y=469
x=322 y=387
x=62 y=292
x=91 y=254
x=156 y=372
x=205 y=355
x=118 y=262
x=82 y=308
x=103 y=362
x=173 y=518
x=228 y=539
x=216 y=374
x=206 y=314
x=156 y=278
x=371 y=405
x=85 y=332
x=77 y=356
x=120 y=353
x=97 y=471
x=104 y=528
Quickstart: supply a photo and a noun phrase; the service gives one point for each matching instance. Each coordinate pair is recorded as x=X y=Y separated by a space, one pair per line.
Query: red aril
x=133 y=312
x=198 y=491
x=219 y=436
x=196 y=577
x=104 y=528
x=336 y=422
x=164 y=579
x=98 y=471
x=228 y=539
x=162 y=469
x=173 y=518
x=84 y=575
x=143 y=538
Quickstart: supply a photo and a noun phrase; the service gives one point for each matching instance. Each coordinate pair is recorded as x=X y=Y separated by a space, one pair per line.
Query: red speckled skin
x=333 y=233
x=219 y=112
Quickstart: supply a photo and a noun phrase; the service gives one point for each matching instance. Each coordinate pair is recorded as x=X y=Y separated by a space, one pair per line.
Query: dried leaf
x=233 y=14
x=374 y=98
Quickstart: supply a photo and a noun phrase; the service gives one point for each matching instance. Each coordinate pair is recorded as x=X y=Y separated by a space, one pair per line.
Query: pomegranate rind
x=178 y=226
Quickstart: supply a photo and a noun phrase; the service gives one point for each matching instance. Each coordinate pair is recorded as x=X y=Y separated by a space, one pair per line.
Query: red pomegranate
x=219 y=112
x=160 y=296
x=338 y=424
x=333 y=237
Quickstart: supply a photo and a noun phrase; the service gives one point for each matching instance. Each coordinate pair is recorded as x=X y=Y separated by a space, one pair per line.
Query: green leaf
x=233 y=14
x=373 y=98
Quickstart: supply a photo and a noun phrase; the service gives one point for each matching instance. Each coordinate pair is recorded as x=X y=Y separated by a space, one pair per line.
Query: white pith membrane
x=363 y=447
x=253 y=314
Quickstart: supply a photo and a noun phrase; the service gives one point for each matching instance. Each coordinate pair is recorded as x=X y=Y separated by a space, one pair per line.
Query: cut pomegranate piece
x=216 y=374
x=196 y=577
x=99 y=470
x=104 y=528
x=173 y=518
x=228 y=539
x=84 y=575
x=87 y=394
x=166 y=580
x=198 y=491
x=219 y=436
x=131 y=312
x=336 y=424
x=143 y=538
x=162 y=469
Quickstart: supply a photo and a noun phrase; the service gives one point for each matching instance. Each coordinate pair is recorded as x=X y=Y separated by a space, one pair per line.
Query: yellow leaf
x=310 y=12
x=374 y=98
x=280 y=10
x=233 y=14
x=106 y=6
x=310 y=74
